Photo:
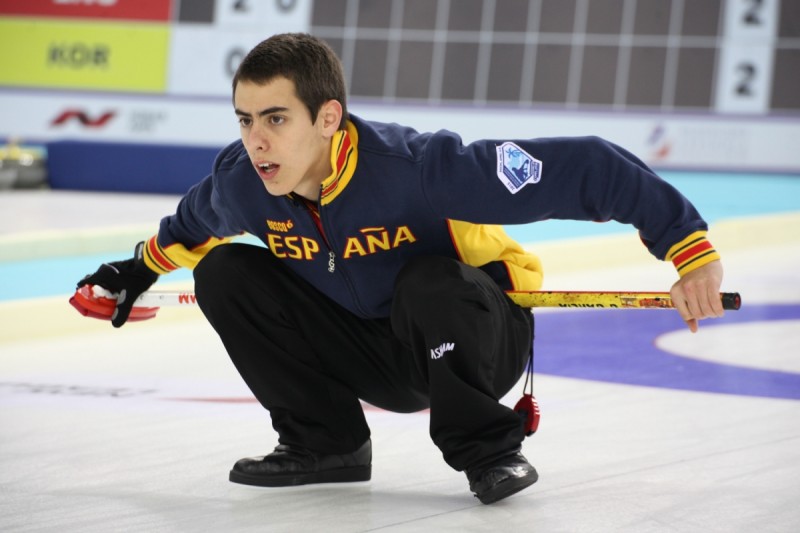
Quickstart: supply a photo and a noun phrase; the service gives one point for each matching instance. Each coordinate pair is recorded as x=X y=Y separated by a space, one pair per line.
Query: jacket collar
x=344 y=156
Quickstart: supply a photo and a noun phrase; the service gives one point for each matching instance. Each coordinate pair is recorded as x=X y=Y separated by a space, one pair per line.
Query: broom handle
x=601 y=299
x=589 y=299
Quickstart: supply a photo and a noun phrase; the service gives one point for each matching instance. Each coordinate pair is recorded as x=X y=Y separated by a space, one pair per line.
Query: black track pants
x=454 y=343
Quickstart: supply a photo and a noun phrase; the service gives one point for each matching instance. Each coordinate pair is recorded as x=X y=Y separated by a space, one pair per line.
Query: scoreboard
x=755 y=72
x=720 y=56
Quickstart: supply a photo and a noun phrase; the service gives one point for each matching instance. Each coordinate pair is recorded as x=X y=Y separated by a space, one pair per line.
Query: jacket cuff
x=691 y=253
x=155 y=258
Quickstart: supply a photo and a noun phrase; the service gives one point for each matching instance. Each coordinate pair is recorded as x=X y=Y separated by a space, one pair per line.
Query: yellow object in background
x=84 y=55
x=22 y=167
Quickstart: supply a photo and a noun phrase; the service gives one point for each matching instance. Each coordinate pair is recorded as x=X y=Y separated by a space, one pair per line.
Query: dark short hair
x=307 y=61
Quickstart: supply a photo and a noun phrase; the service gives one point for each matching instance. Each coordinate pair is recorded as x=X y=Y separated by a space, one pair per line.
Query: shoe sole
x=341 y=475
x=508 y=487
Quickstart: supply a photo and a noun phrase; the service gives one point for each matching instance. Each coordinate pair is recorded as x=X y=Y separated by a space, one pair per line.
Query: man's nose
x=258 y=139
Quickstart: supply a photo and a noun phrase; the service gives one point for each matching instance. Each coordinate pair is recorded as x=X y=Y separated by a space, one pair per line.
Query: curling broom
x=96 y=302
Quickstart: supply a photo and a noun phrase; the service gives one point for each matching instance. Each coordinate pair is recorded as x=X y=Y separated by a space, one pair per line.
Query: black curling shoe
x=501 y=478
x=290 y=465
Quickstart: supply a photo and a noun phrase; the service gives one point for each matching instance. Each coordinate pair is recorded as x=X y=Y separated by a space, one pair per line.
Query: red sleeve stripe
x=157 y=256
x=691 y=253
x=683 y=268
x=696 y=248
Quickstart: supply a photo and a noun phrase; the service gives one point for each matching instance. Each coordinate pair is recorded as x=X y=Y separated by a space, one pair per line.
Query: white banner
x=713 y=142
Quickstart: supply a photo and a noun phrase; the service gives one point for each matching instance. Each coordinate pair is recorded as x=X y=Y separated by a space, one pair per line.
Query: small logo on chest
x=280 y=226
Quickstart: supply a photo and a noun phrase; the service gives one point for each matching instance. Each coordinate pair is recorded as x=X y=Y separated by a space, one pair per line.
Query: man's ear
x=330 y=115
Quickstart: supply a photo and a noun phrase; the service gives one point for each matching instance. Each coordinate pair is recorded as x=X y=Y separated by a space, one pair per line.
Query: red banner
x=150 y=10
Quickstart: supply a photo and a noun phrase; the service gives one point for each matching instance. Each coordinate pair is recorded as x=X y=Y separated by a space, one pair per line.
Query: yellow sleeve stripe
x=692 y=252
x=164 y=260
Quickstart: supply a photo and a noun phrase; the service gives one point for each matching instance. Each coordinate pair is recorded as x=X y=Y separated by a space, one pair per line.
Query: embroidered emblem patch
x=516 y=167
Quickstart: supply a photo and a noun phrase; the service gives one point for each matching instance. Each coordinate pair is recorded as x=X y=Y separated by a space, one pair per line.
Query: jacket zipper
x=332 y=257
x=313 y=212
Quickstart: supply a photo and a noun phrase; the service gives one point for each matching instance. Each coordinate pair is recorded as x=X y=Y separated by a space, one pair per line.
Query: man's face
x=289 y=153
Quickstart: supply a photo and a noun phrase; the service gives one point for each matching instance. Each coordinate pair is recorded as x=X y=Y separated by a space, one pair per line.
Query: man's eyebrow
x=263 y=112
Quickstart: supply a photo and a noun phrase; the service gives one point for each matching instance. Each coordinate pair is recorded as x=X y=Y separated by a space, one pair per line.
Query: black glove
x=129 y=279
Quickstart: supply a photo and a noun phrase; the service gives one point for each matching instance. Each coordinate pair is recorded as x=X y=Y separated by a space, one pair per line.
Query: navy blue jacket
x=395 y=194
